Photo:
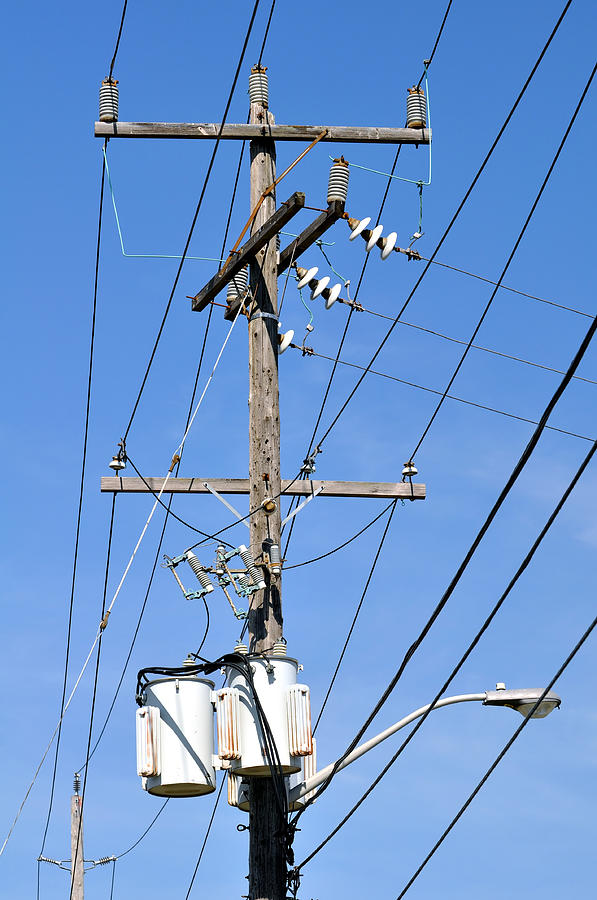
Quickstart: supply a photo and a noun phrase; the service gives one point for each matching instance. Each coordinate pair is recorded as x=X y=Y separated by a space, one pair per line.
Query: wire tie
x=104 y=621
x=175 y=460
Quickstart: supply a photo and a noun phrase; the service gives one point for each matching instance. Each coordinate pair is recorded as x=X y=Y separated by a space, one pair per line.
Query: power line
x=429 y=390
x=500 y=756
x=195 y=216
x=269 y=22
x=200 y=857
x=513 y=581
x=78 y=526
x=454 y=217
x=356 y=614
x=125 y=4
x=517 y=243
x=512 y=479
x=147 y=830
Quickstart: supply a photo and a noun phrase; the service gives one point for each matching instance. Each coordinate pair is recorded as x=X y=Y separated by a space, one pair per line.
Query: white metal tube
x=301 y=789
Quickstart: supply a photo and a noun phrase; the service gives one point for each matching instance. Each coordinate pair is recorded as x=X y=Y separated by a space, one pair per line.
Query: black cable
x=80 y=506
x=112 y=880
x=513 y=581
x=421 y=387
x=452 y=220
x=524 y=458
x=511 y=256
x=95 y=681
x=269 y=21
x=356 y=615
x=345 y=544
x=499 y=757
x=200 y=857
x=437 y=39
x=195 y=216
x=149 y=827
x=125 y=4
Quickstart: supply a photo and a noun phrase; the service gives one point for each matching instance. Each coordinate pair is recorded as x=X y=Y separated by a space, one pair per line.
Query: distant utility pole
x=267 y=827
x=77 y=875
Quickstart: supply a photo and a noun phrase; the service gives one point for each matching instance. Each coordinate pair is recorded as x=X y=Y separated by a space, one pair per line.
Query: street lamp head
x=523 y=700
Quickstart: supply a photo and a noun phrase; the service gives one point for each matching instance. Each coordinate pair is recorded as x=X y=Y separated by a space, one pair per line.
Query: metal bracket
x=213 y=491
x=302 y=505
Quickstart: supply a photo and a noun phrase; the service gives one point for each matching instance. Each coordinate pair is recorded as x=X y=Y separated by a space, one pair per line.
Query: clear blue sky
x=531 y=832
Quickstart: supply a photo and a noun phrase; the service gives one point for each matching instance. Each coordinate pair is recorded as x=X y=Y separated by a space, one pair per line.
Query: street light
x=522 y=700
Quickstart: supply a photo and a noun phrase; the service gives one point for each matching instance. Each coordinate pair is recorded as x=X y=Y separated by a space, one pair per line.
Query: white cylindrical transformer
x=177 y=723
x=272 y=689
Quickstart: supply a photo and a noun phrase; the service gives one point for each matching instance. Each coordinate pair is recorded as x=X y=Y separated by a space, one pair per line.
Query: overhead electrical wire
x=269 y=22
x=421 y=387
x=205 y=837
x=511 y=481
x=194 y=220
x=452 y=220
x=511 y=256
x=115 y=54
x=77 y=531
x=584 y=637
x=511 y=584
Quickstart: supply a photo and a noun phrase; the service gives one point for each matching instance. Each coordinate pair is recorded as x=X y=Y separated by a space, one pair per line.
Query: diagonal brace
x=225 y=502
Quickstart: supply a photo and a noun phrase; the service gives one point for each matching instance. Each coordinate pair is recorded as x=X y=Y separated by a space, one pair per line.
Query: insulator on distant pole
x=250 y=566
x=338 y=181
x=237 y=286
x=76 y=783
x=108 y=100
x=199 y=571
x=258 y=86
x=416 y=108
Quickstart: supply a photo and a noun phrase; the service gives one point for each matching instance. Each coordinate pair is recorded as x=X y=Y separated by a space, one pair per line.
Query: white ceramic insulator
x=390 y=243
x=321 y=286
x=338 y=181
x=108 y=101
x=373 y=239
x=237 y=287
x=362 y=225
x=258 y=86
x=186 y=742
x=334 y=294
x=202 y=576
x=416 y=108
x=311 y=273
x=286 y=341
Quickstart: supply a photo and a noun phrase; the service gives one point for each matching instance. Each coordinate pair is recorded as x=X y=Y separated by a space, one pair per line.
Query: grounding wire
x=511 y=481
x=513 y=581
x=500 y=756
x=356 y=614
x=94 y=693
x=345 y=544
x=77 y=532
x=453 y=219
x=453 y=340
x=421 y=387
x=194 y=220
x=511 y=256
x=124 y=6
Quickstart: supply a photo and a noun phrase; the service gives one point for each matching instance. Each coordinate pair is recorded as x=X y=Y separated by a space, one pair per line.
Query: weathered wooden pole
x=267 y=862
x=76 y=845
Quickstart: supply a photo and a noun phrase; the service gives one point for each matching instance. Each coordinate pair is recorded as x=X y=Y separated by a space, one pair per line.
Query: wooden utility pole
x=267 y=860
x=76 y=846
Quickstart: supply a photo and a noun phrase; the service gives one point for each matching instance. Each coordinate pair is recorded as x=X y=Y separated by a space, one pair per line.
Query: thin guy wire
x=511 y=481
x=453 y=340
x=454 y=217
x=511 y=256
x=78 y=527
x=341 y=546
x=513 y=581
x=269 y=21
x=356 y=615
x=421 y=387
x=500 y=756
x=125 y=4
x=213 y=813
x=195 y=217
x=94 y=694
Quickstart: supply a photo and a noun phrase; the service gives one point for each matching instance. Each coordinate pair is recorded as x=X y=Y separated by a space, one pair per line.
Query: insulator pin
x=108 y=100
x=237 y=287
x=202 y=576
x=258 y=86
x=416 y=108
x=338 y=181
